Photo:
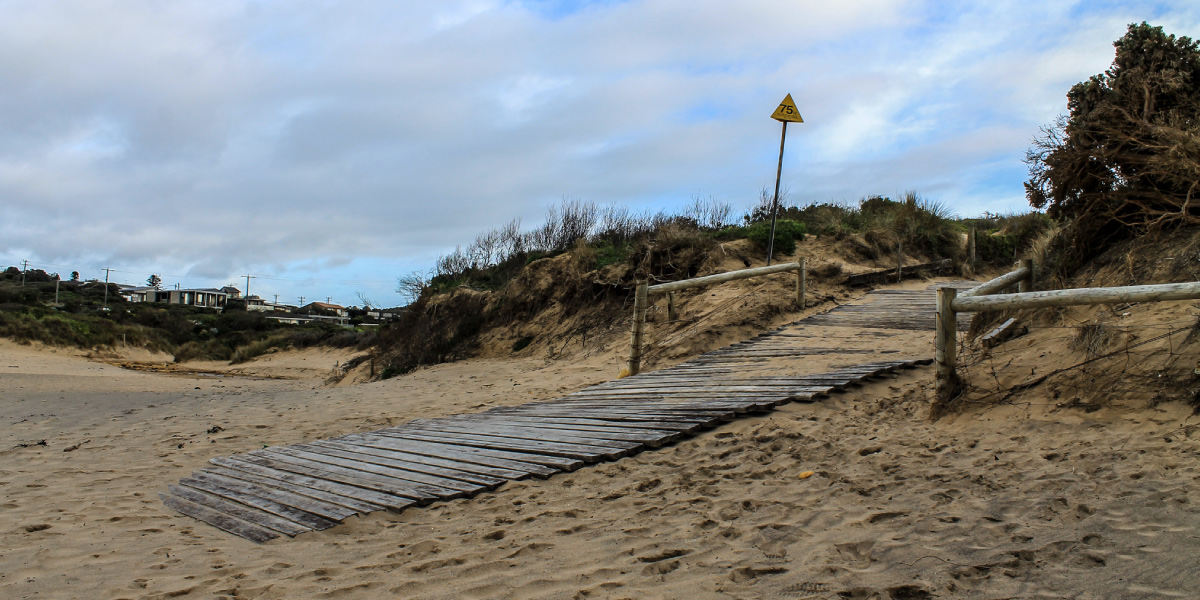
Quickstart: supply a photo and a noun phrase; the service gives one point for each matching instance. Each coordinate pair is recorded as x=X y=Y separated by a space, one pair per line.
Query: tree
x=154 y=281
x=74 y=275
x=1127 y=157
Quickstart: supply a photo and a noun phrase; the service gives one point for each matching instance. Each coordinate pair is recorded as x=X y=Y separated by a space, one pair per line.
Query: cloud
x=322 y=143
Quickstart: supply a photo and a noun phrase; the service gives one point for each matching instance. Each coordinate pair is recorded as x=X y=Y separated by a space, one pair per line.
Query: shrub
x=787 y=232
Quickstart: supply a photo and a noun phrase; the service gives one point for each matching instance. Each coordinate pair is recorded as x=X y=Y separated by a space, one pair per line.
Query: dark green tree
x=74 y=275
x=1127 y=156
x=154 y=281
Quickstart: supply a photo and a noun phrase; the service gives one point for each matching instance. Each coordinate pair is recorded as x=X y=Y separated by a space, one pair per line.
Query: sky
x=326 y=148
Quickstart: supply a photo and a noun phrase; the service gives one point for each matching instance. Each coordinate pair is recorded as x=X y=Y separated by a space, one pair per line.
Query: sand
x=999 y=502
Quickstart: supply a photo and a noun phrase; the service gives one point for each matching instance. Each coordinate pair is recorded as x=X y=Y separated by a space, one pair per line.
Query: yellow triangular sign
x=787 y=111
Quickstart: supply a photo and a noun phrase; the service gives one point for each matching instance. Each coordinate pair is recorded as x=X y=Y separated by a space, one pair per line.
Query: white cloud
x=233 y=137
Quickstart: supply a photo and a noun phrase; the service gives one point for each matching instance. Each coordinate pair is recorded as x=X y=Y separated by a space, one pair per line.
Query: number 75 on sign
x=787 y=111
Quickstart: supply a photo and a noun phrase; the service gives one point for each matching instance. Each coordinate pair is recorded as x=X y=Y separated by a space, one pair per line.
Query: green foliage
x=787 y=233
x=1127 y=156
x=27 y=315
x=608 y=253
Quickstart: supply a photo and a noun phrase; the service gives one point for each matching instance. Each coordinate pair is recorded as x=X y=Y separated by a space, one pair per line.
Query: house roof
x=327 y=305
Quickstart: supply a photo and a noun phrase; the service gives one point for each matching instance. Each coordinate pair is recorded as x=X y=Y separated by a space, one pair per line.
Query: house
x=325 y=308
x=135 y=293
x=292 y=319
x=205 y=297
x=232 y=292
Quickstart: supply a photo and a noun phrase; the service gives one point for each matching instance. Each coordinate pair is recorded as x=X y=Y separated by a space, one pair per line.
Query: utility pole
x=328 y=299
x=276 y=301
x=57 y=279
x=248 y=278
x=301 y=301
x=106 y=270
x=24 y=268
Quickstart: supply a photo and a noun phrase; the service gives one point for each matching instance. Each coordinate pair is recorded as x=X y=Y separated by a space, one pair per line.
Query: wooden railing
x=641 y=299
x=986 y=297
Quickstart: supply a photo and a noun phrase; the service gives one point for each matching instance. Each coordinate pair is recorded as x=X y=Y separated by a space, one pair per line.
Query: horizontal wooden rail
x=1078 y=297
x=641 y=299
x=1000 y=283
x=950 y=303
x=675 y=286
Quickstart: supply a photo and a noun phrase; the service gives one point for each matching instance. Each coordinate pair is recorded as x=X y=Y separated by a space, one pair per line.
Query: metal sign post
x=785 y=113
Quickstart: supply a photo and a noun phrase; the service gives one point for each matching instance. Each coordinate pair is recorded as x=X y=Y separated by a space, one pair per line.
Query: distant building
x=134 y=293
x=204 y=297
x=325 y=308
x=232 y=292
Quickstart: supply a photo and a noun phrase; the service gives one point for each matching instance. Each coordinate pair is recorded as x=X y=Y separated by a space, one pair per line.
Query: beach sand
x=1004 y=502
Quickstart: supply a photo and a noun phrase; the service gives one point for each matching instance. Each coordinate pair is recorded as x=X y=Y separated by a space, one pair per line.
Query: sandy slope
x=1041 y=502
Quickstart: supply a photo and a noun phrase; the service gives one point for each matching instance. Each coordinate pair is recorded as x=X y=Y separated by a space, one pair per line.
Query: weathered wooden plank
x=315 y=479
x=352 y=503
x=556 y=462
x=240 y=511
x=260 y=502
x=571 y=433
x=578 y=448
x=511 y=445
x=715 y=390
x=424 y=464
x=320 y=508
x=425 y=483
x=483 y=459
x=360 y=475
x=388 y=467
x=632 y=415
x=666 y=426
x=1001 y=333
x=643 y=434
x=526 y=434
x=218 y=519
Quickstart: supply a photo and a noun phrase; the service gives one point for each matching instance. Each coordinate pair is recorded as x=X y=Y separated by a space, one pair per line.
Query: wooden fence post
x=899 y=262
x=672 y=314
x=1026 y=285
x=802 y=283
x=640 y=300
x=945 y=350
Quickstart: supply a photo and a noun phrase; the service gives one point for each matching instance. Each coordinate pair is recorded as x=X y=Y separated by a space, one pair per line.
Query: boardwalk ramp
x=289 y=490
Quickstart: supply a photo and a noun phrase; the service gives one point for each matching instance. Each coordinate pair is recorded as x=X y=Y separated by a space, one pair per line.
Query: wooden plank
x=554 y=463
x=219 y=520
x=352 y=490
x=643 y=437
x=593 y=451
x=441 y=473
x=351 y=503
x=668 y=426
x=239 y=511
x=644 y=433
x=261 y=502
x=483 y=459
x=455 y=470
x=328 y=510
x=714 y=390
x=511 y=445
x=632 y=415
x=422 y=493
x=362 y=462
x=1001 y=333
x=527 y=434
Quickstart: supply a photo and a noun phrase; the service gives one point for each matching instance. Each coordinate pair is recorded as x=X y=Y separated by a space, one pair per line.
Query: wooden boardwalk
x=290 y=490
